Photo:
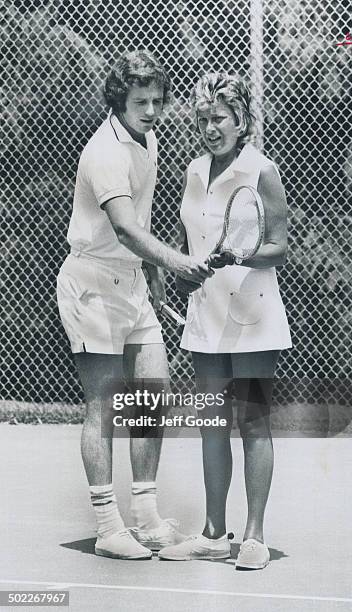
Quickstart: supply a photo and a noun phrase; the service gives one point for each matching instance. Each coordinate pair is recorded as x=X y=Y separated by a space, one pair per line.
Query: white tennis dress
x=238 y=309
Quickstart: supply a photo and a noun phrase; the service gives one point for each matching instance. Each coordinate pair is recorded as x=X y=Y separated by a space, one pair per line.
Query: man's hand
x=193 y=269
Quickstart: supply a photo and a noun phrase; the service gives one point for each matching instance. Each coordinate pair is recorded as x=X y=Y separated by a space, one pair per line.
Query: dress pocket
x=246 y=308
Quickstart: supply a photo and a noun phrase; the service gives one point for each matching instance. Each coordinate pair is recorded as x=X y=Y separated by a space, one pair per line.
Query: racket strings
x=242 y=229
x=244 y=224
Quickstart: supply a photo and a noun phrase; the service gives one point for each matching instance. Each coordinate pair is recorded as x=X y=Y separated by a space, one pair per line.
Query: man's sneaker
x=197 y=547
x=165 y=535
x=121 y=545
x=252 y=555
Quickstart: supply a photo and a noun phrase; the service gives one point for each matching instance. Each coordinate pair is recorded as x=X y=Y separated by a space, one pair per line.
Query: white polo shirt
x=112 y=164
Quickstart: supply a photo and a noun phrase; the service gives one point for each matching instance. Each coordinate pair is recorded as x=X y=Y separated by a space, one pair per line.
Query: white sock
x=106 y=511
x=143 y=505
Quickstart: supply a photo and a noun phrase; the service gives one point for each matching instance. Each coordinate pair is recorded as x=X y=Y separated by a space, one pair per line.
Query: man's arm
x=121 y=213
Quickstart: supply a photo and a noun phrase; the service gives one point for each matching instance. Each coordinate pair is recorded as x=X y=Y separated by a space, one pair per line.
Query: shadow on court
x=85 y=546
x=48 y=539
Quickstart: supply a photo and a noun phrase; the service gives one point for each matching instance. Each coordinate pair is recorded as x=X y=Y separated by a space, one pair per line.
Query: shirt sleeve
x=109 y=177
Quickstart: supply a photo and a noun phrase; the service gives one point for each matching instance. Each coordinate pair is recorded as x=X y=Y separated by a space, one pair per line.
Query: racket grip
x=171 y=314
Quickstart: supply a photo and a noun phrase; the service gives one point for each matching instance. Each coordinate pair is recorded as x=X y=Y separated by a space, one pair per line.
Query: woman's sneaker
x=252 y=555
x=165 y=535
x=121 y=545
x=198 y=547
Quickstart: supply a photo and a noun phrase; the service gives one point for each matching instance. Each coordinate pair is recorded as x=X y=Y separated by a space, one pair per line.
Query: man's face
x=143 y=107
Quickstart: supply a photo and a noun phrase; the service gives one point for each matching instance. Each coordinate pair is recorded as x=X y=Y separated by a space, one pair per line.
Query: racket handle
x=171 y=314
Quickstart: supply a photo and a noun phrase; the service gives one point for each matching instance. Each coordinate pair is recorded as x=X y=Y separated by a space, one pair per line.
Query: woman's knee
x=217 y=432
x=253 y=421
x=215 y=421
x=253 y=425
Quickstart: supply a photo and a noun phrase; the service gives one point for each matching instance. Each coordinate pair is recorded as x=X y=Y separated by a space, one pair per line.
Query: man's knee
x=101 y=376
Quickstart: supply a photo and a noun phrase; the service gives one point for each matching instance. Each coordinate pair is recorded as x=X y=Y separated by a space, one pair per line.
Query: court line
x=66 y=585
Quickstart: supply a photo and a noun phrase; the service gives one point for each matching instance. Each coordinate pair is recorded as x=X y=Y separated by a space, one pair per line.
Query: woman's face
x=218 y=127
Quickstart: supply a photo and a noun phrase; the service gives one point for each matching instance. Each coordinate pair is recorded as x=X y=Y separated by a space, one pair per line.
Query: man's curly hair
x=230 y=89
x=134 y=68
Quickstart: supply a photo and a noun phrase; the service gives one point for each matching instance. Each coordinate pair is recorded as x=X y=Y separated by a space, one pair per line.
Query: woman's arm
x=274 y=248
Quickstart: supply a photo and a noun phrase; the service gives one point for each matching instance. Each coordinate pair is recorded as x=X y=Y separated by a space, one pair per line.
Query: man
x=102 y=293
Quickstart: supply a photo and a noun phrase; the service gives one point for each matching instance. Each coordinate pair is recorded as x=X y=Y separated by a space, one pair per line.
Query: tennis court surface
x=48 y=528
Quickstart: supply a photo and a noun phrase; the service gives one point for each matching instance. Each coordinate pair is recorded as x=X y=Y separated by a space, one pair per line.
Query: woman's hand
x=220 y=260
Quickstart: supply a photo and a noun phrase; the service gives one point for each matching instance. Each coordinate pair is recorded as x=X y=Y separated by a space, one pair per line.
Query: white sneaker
x=198 y=547
x=252 y=555
x=121 y=545
x=165 y=535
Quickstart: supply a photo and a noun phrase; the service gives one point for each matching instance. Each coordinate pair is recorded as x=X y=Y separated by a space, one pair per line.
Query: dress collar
x=242 y=164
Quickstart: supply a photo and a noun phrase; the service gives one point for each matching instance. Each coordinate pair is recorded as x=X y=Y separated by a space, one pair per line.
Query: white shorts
x=104 y=307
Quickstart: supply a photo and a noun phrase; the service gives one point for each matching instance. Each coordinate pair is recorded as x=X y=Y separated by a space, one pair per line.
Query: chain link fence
x=54 y=57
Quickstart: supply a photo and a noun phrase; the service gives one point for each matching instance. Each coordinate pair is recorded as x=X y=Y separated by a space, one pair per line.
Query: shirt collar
x=122 y=134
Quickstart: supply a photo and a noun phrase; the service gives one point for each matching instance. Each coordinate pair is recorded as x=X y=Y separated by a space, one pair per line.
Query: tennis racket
x=171 y=314
x=243 y=231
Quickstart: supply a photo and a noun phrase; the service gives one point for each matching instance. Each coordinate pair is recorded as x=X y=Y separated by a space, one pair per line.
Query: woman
x=236 y=322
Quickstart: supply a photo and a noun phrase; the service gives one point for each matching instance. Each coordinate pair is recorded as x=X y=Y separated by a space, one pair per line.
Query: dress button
x=203 y=237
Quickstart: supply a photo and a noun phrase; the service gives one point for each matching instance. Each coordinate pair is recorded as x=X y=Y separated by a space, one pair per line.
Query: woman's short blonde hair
x=230 y=89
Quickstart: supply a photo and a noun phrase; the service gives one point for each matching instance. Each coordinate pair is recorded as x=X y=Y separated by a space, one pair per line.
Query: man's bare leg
x=147 y=361
x=97 y=374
